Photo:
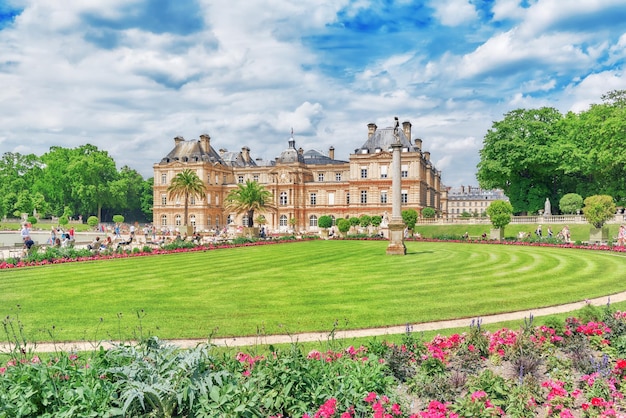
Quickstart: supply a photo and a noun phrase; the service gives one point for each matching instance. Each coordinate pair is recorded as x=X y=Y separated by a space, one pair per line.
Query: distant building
x=305 y=184
x=471 y=200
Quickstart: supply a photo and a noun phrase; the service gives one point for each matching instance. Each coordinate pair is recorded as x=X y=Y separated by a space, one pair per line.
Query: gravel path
x=324 y=336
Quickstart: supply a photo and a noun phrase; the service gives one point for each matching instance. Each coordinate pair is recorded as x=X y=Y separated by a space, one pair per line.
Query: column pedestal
x=396 y=239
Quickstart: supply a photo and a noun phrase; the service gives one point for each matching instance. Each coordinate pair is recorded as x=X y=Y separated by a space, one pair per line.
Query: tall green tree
x=147 y=198
x=184 y=185
x=249 y=197
x=521 y=156
x=17 y=175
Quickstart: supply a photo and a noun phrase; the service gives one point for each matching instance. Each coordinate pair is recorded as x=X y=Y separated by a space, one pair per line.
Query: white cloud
x=454 y=12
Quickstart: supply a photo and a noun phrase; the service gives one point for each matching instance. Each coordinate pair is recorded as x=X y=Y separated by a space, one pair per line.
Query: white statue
x=546 y=209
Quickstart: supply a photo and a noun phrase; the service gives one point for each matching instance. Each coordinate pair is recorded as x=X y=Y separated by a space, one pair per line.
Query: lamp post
x=396 y=225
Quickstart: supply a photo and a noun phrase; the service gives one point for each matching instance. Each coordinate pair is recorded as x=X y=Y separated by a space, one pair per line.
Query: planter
x=324 y=233
x=599 y=235
x=497 y=234
x=251 y=232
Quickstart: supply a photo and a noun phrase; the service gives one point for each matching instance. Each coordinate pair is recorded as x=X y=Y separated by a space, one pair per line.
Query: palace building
x=305 y=184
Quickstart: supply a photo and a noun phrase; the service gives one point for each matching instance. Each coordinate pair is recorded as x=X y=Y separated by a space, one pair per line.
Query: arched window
x=217 y=221
x=283 y=220
x=163 y=220
x=312 y=220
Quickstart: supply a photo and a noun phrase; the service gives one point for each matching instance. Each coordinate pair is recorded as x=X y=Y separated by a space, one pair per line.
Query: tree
x=599 y=209
x=365 y=221
x=377 y=220
x=325 y=221
x=249 y=197
x=343 y=225
x=499 y=212
x=118 y=219
x=186 y=184
x=522 y=155
x=93 y=221
x=571 y=203
x=409 y=217
x=428 y=213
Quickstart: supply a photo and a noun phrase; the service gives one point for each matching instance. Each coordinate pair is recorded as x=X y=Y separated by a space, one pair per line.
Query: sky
x=130 y=75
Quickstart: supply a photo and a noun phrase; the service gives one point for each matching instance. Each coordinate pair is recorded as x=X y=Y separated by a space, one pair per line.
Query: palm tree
x=248 y=198
x=186 y=184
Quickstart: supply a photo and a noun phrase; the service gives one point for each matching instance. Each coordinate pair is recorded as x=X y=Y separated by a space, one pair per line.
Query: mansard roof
x=291 y=154
x=191 y=151
x=315 y=157
x=236 y=159
x=382 y=139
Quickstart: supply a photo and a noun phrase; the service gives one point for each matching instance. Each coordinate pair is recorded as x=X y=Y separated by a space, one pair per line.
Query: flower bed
x=572 y=368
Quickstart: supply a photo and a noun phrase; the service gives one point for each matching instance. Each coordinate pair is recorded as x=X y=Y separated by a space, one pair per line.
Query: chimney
x=178 y=140
x=205 y=143
x=300 y=151
x=406 y=127
x=418 y=144
x=427 y=155
x=222 y=151
x=371 y=129
x=331 y=152
x=245 y=153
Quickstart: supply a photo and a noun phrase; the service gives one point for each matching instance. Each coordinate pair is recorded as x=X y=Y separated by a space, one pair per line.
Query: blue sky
x=130 y=75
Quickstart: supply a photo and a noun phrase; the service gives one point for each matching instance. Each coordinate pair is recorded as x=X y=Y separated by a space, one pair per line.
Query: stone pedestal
x=396 y=239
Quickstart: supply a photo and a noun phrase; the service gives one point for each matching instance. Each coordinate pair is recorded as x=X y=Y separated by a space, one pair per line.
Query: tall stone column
x=396 y=225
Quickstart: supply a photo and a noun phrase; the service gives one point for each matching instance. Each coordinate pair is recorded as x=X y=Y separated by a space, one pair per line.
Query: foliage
x=571 y=203
x=325 y=221
x=376 y=220
x=409 y=217
x=118 y=219
x=63 y=220
x=428 y=213
x=365 y=221
x=32 y=220
x=186 y=185
x=249 y=197
x=598 y=209
x=354 y=221
x=536 y=153
x=499 y=212
x=93 y=221
x=343 y=225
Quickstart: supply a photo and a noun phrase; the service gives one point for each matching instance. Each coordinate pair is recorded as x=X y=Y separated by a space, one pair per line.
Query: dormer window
x=365 y=151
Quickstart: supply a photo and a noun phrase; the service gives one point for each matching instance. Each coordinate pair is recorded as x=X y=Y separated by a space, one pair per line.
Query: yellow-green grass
x=298 y=287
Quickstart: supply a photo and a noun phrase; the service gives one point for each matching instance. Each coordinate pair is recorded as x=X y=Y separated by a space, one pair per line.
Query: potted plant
x=499 y=212
x=409 y=217
x=597 y=210
x=343 y=225
x=325 y=222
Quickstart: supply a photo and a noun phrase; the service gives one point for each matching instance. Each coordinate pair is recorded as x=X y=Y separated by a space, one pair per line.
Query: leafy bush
x=428 y=213
x=118 y=219
x=409 y=217
x=500 y=212
x=571 y=203
x=325 y=221
x=93 y=221
x=599 y=209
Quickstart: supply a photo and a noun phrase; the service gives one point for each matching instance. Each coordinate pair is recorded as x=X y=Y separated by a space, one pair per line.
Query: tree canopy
x=71 y=182
x=186 y=185
x=534 y=154
x=249 y=197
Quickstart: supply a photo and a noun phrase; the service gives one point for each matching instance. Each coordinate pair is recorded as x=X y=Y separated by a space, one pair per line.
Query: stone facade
x=472 y=200
x=305 y=185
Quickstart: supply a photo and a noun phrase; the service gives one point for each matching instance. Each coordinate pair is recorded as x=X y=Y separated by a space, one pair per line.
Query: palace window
x=208 y=220
x=240 y=179
x=383 y=171
x=383 y=197
x=404 y=196
x=363 y=197
x=177 y=220
x=320 y=176
x=313 y=199
x=347 y=198
x=283 y=220
x=163 y=178
x=331 y=199
x=163 y=220
x=337 y=176
x=192 y=220
x=255 y=177
x=192 y=200
x=363 y=173
x=283 y=198
x=404 y=171
x=163 y=199
x=313 y=220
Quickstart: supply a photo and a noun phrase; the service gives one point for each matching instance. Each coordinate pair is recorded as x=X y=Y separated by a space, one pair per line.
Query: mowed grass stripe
x=306 y=286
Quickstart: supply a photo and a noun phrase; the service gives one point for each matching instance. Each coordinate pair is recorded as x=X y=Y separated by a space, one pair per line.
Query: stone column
x=396 y=226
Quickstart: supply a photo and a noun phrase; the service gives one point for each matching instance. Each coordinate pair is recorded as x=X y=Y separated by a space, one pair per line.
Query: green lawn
x=291 y=288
